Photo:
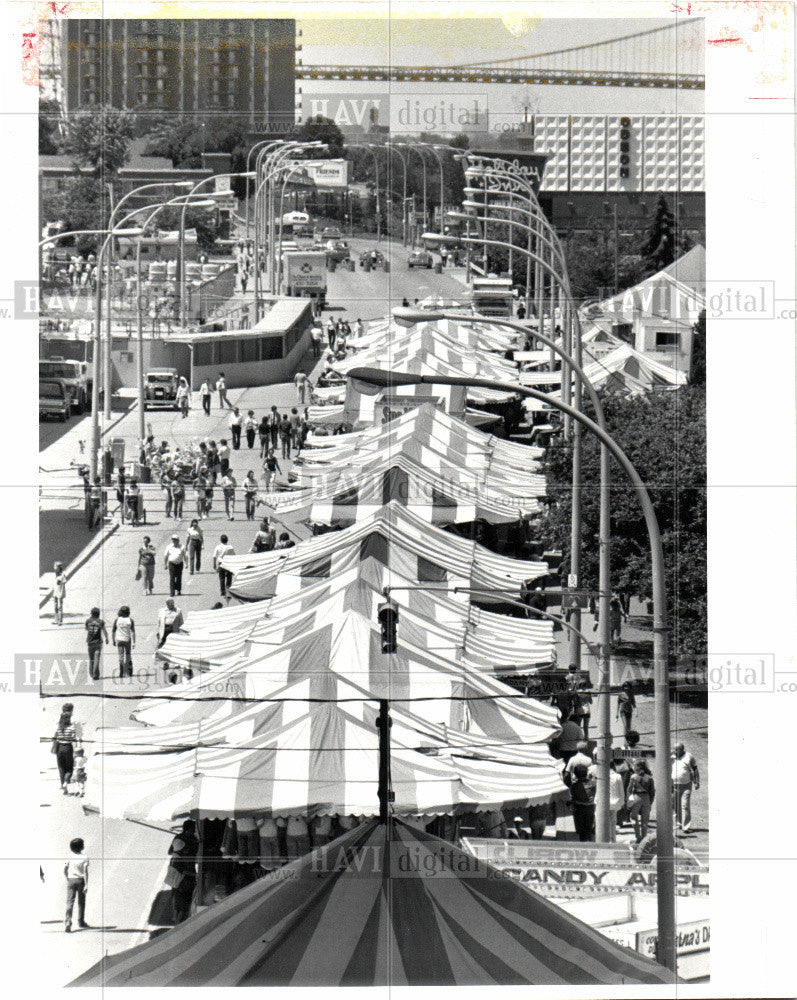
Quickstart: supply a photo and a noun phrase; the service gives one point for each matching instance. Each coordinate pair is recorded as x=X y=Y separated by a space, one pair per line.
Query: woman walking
x=250 y=495
x=123 y=636
x=64 y=740
x=146 y=564
x=59 y=593
x=641 y=792
x=133 y=502
x=264 y=434
x=626 y=704
x=228 y=485
x=193 y=543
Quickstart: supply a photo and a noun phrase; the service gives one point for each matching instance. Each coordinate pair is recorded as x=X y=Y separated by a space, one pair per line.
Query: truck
x=305 y=274
x=55 y=398
x=160 y=389
x=75 y=374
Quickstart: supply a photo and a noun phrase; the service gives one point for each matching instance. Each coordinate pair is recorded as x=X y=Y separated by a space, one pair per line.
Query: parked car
x=420 y=259
x=160 y=389
x=331 y=233
x=74 y=374
x=55 y=398
x=337 y=250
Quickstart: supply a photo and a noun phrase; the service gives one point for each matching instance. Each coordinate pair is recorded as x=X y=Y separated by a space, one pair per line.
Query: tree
x=697 y=373
x=664 y=435
x=590 y=264
x=100 y=140
x=49 y=123
x=320 y=129
x=661 y=244
x=79 y=204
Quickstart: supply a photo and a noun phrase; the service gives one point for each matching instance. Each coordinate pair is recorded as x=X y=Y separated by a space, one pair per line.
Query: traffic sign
x=575 y=599
x=572 y=581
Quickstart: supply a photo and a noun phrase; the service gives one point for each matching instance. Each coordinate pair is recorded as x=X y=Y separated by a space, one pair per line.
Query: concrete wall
x=251 y=373
x=157 y=354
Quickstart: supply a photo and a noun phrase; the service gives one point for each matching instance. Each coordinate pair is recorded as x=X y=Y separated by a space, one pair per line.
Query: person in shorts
x=123 y=636
x=96 y=634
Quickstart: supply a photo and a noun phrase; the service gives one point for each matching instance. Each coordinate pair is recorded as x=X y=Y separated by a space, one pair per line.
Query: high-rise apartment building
x=244 y=67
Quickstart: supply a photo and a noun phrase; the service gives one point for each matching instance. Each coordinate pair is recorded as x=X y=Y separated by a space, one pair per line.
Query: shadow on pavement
x=62 y=537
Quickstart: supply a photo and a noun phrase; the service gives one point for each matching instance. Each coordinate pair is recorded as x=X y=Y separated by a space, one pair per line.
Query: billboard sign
x=324 y=173
x=526 y=165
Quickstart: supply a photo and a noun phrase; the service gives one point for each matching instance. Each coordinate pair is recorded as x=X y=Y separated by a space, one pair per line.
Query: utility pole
x=383 y=724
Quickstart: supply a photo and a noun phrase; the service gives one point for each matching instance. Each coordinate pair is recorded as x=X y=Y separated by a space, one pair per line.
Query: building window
x=250 y=349
x=229 y=351
x=667 y=338
x=270 y=348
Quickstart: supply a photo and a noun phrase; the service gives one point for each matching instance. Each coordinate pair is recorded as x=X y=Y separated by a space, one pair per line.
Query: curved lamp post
x=371 y=380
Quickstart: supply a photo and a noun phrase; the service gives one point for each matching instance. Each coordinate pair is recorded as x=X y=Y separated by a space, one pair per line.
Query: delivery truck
x=304 y=274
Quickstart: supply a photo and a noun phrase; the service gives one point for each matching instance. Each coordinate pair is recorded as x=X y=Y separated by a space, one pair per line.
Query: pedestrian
x=181 y=874
x=178 y=498
x=641 y=792
x=274 y=426
x=173 y=560
x=582 y=709
x=166 y=486
x=228 y=485
x=182 y=397
x=582 y=799
x=225 y=576
x=569 y=739
x=265 y=540
x=285 y=541
x=234 y=422
x=316 y=334
x=264 y=435
x=200 y=484
x=271 y=466
x=76 y=873
x=616 y=796
x=297 y=837
x=79 y=774
x=580 y=757
x=221 y=389
x=521 y=311
x=359 y=329
x=285 y=436
x=134 y=502
x=170 y=620
x=121 y=493
x=96 y=634
x=224 y=457
x=208 y=500
x=59 y=593
x=65 y=739
x=301 y=383
x=250 y=429
x=295 y=422
x=250 y=495
x=626 y=704
x=205 y=395
x=193 y=543
x=97 y=501
x=146 y=564
x=331 y=334
x=685 y=777
x=616 y=617
x=213 y=462
x=123 y=636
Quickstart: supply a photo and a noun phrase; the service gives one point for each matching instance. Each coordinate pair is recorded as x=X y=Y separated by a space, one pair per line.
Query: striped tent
x=381 y=905
x=387 y=334
x=307 y=755
x=394 y=537
x=478 y=639
x=349 y=647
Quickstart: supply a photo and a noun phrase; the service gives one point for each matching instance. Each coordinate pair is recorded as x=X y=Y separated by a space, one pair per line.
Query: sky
x=457 y=41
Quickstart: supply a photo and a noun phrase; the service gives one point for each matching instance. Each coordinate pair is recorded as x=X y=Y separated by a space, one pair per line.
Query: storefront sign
x=578 y=871
x=528 y=166
x=389 y=405
x=691 y=937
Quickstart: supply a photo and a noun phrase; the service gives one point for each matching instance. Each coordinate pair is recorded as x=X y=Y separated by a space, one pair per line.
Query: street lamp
x=391 y=147
x=371 y=380
x=372 y=147
x=416 y=149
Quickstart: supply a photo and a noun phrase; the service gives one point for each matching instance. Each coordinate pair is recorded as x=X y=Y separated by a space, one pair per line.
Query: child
x=79 y=774
x=59 y=593
x=76 y=872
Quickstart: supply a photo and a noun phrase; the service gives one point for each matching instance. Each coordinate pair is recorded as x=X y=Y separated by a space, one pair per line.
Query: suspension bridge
x=668 y=57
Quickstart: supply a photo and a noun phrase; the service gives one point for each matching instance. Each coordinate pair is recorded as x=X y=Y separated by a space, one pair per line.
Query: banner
x=324 y=173
x=576 y=871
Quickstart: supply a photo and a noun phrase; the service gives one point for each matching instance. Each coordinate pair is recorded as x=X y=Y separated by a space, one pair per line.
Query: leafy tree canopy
x=100 y=140
x=320 y=129
x=664 y=435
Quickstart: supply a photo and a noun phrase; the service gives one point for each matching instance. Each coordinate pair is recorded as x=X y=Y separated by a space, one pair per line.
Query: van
x=55 y=398
x=74 y=374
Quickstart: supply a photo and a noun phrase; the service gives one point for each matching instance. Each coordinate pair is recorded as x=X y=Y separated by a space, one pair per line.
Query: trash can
x=438 y=268
x=351 y=264
x=332 y=264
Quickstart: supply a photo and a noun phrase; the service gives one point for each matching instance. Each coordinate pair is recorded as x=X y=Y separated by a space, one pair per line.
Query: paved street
x=128 y=859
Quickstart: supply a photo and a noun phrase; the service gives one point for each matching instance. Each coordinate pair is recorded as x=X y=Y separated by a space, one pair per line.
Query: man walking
x=204 y=395
x=174 y=559
x=170 y=620
x=300 y=381
x=225 y=576
x=685 y=777
x=221 y=389
x=235 y=428
x=274 y=421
